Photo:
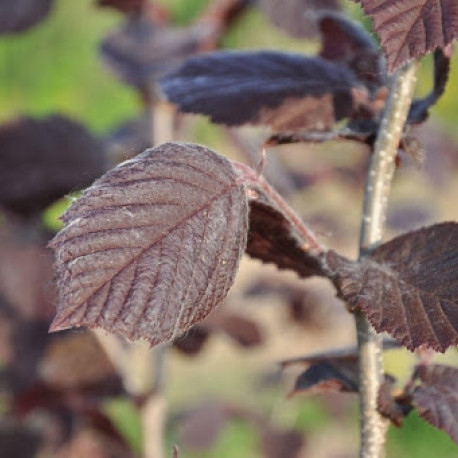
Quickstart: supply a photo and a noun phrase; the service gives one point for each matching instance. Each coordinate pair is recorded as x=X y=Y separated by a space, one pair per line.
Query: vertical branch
x=154 y=410
x=380 y=174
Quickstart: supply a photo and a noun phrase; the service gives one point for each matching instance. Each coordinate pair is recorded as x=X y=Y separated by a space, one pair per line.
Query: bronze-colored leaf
x=410 y=29
x=152 y=247
x=436 y=398
x=408 y=286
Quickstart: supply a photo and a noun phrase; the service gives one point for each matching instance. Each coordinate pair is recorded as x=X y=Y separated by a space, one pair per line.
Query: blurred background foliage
x=55 y=67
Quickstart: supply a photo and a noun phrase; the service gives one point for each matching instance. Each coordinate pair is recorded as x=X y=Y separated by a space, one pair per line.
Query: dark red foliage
x=410 y=29
x=273 y=239
x=19 y=15
x=347 y=43
x=436 y=398
x=407 y=286
x=153 y=246
x=192 y=341
x=242 y=330
x=284 y=91
x=391 y=406
x=328 y=374
x=17 y=441
x=419 y=108
x=42 y=160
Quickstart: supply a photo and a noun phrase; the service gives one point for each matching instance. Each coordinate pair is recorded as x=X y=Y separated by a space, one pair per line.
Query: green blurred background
x=55 y=67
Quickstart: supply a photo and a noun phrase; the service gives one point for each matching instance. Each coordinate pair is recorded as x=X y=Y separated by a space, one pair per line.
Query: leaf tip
x=59 y=324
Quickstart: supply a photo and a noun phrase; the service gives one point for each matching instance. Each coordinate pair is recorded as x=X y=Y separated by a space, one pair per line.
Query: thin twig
x=317 y=137
x=378 y=185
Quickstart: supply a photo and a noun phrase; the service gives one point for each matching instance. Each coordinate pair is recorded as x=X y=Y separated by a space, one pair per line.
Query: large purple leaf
x=297 y=17
x=436 y=398
x=409 y=29
x=284 y=91
x=152 y=247
x=19 y=15
x=408 y=286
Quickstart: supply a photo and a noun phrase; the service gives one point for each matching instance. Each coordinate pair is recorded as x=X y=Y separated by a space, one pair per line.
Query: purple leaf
x=297 y=17
x=410 y=29
x=329 y=375
x=408 y=286
x=419 y=109
x=19 y=15
x=42 y=160
x=284 y=91
x=347 y=43
x=141 y=51
x=193 y=341
x=392 y=406
x=152 y=247
x=203 y=425
x=436 y=398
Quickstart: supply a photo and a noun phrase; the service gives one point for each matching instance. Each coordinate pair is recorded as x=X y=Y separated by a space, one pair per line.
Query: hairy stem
x=251 y=179
x=378 y=184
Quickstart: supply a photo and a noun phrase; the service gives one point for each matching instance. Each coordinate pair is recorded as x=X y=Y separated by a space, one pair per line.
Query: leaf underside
x=410 y=29
x=281 y=90
x=329 y=375
x=408 y=286
x=436 y=399
x=153 y=246
x=272 y=239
